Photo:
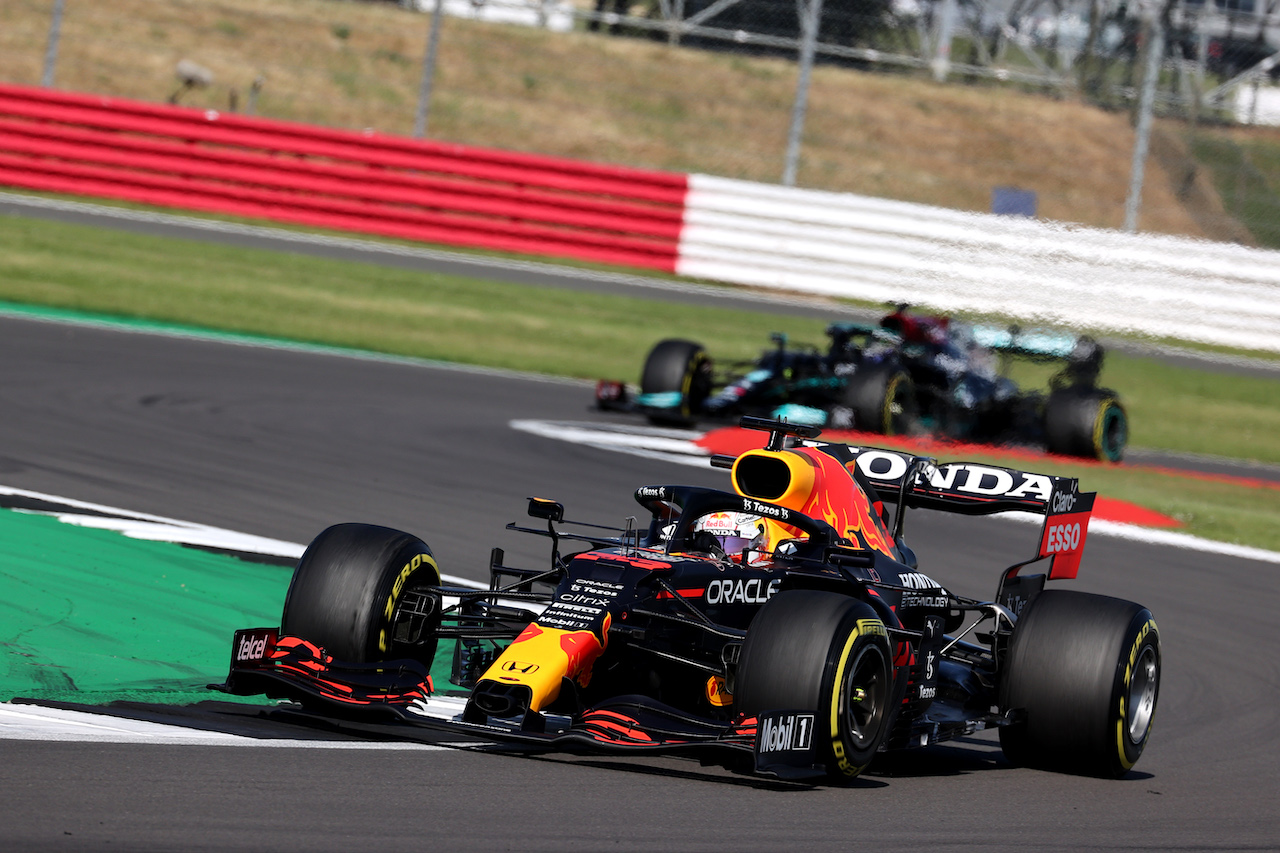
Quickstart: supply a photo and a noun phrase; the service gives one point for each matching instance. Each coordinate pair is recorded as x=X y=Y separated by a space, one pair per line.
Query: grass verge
x=578 y=334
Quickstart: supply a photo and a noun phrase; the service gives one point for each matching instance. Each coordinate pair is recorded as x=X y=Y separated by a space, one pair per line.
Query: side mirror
x=543 y=508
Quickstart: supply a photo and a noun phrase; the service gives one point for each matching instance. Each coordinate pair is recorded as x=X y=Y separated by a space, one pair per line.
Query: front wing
x=402 y=692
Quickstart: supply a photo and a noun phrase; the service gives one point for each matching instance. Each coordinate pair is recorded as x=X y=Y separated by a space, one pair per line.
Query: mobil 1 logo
x=784 y=732
x=784 y=743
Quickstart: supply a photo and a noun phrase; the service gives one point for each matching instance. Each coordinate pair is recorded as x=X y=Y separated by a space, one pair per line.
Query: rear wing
x=1030 y=343
x=1082 y=355
x=972 y=488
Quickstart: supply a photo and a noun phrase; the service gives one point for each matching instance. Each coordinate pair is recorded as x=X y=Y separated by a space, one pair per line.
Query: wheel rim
x=864 y=694
x=1142 y=694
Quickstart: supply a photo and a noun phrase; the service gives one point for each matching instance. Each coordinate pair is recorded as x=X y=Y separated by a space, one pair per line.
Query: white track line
x=33 y=722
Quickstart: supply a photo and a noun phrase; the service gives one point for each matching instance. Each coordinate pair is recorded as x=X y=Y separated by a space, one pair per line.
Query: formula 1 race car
x=783 y=628
x=910 y=374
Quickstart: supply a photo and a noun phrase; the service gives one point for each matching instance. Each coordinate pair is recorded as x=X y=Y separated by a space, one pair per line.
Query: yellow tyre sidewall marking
x=1098 y=422
x=1122 y=719
x=886 y=413
x=417 y=562
x=870 y=627
x=687 y=385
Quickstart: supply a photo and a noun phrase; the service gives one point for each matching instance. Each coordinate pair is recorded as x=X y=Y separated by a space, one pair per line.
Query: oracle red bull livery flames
x=781 y=628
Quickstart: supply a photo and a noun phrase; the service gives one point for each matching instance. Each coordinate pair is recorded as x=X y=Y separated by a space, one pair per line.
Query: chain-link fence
x=1026 y=106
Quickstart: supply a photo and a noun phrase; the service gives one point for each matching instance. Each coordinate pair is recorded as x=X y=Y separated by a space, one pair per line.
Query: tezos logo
x=758 y=508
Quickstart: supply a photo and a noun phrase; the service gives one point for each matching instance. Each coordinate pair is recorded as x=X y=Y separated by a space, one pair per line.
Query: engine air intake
x=779 y=477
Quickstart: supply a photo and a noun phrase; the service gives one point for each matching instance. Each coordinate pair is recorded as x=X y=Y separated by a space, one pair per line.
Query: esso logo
x=1063 y=537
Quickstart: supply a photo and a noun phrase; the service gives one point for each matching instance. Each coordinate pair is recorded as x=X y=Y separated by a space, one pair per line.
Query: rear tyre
x=348 y=587
x=1082 y=677
x=827 y=652
x=1088 y=422
x=882 y=399
x=680 y=371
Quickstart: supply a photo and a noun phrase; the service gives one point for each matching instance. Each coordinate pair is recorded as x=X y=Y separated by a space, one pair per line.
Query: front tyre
x=347 y=591
x=1082 y=679
x=882 y=398
x=829 y=653
x=675 y=382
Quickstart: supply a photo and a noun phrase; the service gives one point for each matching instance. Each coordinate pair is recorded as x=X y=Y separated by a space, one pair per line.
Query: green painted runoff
x=91 y=616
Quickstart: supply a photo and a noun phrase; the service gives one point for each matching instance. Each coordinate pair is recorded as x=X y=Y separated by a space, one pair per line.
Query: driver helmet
x=739 y=532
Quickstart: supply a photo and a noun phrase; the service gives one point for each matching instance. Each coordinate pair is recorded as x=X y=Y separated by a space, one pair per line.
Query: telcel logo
x=251 y=647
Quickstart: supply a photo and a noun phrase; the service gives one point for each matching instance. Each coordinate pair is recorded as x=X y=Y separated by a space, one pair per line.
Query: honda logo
x=520 y=667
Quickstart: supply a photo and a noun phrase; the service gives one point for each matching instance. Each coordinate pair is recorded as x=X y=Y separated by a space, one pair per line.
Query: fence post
x=51 y=50
x=945 y=29
x=428 y=72
x=808 y=41
x=1142 y=138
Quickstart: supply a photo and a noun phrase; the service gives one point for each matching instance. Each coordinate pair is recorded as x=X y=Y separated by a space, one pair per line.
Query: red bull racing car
x=781 y=628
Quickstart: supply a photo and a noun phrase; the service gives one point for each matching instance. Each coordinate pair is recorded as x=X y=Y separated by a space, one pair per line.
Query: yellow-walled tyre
x=348 y=589
x=1082 y=679
x=825 y=652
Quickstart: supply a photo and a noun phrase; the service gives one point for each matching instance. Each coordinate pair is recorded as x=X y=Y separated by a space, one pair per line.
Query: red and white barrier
x=364 y=182
x=840 y=244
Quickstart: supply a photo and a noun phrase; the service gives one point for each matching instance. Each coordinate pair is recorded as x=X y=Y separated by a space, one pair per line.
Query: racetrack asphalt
x=281 y=444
